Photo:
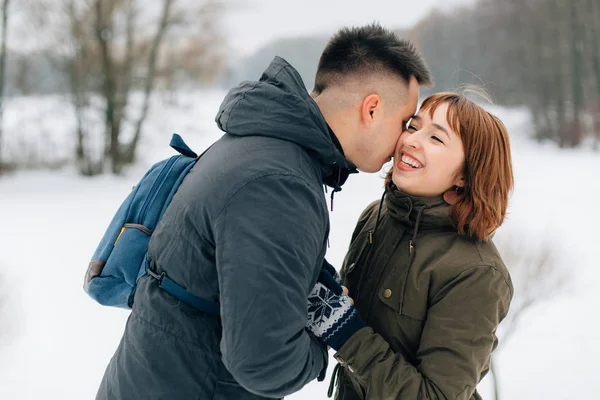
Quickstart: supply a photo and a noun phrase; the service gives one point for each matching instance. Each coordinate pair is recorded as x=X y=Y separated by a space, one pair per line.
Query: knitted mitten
x=331 y=316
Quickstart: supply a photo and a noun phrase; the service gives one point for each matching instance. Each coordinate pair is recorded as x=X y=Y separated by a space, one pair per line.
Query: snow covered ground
x=55 y=342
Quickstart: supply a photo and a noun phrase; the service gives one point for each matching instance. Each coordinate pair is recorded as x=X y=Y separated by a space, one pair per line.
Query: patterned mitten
x=332 y=317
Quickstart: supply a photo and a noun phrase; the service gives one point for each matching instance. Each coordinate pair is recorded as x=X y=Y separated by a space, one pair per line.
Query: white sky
x=252 y=23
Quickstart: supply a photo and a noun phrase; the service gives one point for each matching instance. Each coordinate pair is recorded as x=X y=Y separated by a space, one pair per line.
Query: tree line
x=540 y=54
x=109 y=56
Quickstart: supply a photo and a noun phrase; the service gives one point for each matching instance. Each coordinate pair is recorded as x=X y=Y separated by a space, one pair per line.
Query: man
x=249 y=225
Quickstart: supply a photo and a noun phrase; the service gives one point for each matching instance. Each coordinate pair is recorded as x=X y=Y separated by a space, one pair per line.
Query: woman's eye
x=438 y=139
x=411 y=128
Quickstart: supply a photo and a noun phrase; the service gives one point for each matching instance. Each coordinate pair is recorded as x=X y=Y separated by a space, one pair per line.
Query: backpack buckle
x=158 y=277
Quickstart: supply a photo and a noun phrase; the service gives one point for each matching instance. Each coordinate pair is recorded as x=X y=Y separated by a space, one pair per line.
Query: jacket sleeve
x=456 y=345
x=269 y=244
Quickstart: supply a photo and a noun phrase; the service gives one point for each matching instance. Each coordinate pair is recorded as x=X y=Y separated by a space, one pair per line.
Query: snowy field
x=55 y=342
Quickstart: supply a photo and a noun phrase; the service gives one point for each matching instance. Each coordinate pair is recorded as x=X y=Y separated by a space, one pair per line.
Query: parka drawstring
x=412 y=242
x=335 y=377
x=337 y=187
x=371 y=233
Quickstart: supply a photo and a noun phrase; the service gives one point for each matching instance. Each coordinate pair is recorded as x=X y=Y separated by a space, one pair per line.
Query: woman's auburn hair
x=488 y=178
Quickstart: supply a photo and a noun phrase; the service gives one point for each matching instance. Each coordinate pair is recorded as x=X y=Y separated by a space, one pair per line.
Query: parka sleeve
x=270 y=240
x=455 y=349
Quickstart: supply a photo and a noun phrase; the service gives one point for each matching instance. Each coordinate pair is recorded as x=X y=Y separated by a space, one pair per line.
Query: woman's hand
x=347 y=292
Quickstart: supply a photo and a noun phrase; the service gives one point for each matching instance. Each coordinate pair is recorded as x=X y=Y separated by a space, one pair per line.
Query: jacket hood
x=279 y=106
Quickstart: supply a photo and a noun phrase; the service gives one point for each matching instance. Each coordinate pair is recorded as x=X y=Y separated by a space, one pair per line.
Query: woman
x=422 y=269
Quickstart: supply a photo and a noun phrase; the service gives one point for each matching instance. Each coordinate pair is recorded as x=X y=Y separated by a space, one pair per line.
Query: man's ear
x=369 y=105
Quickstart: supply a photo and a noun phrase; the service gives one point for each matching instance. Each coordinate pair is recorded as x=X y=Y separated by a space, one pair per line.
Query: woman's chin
x=401 y=183
x=411 y=189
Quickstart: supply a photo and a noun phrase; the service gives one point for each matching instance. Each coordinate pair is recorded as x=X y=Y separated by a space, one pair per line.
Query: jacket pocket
x=401 y=291
x=413 y=311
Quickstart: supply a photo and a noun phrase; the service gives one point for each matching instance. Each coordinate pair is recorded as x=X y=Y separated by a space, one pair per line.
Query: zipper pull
x=410 y=247
x=370 y=237
x=119 y=237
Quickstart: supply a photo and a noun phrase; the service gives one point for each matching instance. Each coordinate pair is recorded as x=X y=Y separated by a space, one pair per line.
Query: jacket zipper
x=362 y=260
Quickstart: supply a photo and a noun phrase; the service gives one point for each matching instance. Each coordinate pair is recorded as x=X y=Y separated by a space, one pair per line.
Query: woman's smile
x=408 y=162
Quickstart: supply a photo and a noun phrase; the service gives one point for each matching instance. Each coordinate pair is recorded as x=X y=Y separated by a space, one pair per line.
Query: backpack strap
x=166 y=283
x=178 y=144
x=171 y=287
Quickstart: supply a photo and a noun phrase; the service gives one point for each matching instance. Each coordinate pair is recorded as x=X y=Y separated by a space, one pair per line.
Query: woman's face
x=429 y=156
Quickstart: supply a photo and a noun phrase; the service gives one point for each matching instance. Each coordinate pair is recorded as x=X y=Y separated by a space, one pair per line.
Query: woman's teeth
x=410 y=162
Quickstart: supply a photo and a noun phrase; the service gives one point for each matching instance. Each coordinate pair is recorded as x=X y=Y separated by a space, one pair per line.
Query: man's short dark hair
x=364 y=50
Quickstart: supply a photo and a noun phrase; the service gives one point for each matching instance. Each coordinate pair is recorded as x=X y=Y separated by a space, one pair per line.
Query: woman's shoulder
x=474 y=268
x=479 y=254
x=369 y=210
x=369 y=213
x=457 y=253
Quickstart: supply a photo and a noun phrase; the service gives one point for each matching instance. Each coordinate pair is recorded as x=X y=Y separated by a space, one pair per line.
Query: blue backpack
x=121 y=257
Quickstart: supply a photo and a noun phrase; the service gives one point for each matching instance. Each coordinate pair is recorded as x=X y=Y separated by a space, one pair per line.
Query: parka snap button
x=387 y=293
x=351 y=268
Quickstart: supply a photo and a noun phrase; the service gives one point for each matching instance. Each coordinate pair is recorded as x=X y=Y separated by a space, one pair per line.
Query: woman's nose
x=413 y=141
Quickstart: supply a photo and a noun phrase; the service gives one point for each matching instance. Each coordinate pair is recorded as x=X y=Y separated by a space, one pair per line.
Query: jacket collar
x=417 y=213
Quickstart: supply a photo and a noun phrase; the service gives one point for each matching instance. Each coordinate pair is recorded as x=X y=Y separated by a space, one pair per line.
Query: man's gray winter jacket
x=248 y=228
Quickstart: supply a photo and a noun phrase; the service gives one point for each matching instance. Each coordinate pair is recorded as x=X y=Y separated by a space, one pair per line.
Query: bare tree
x=577 y=72
x=3 y=39
x=113 y=54
x=116 y=93
x=538 y=275
x=593 y=40
x=155 y=44
x=543 y=54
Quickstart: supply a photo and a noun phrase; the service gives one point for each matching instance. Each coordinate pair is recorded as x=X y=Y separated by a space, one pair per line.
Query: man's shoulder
x=252 y=156
x=234 y=162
